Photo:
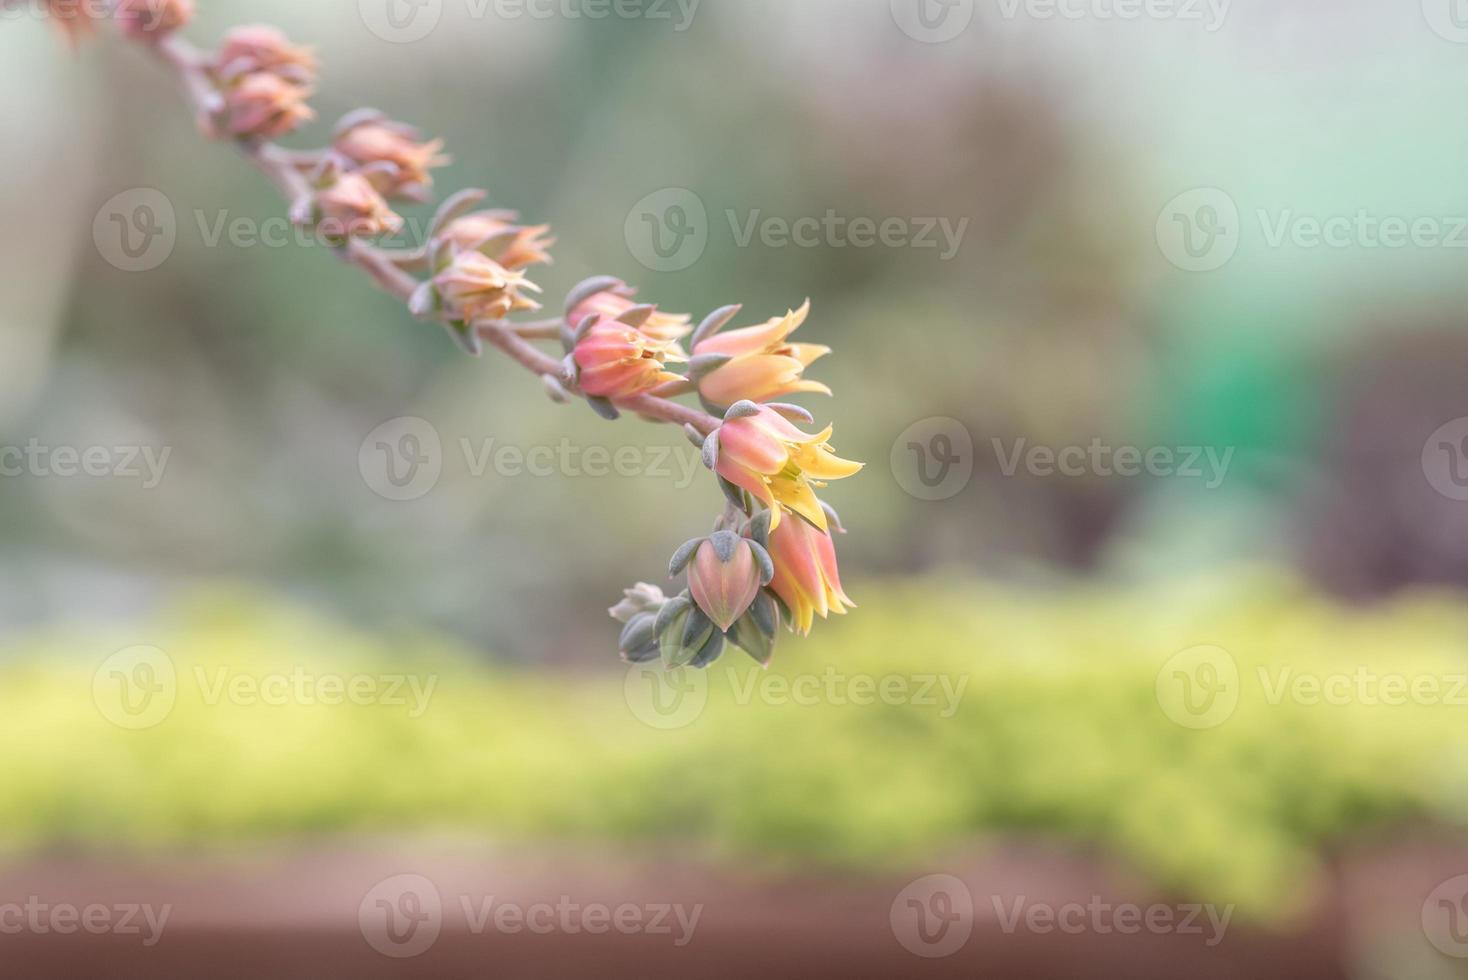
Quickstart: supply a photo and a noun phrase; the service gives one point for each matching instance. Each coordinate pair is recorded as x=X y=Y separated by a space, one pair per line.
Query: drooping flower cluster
x=771 y=558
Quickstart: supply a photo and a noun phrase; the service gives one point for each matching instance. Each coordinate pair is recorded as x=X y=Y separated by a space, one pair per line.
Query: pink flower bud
x=260 y=48
x=611 y=304
x=405 y=162
x=152 y=19
x=619 y=361
x=496 y=234
x=725 y=578
x=475 y=287
x=265 y=105
x=806 y=576
x=761 y=451
x=352 y=208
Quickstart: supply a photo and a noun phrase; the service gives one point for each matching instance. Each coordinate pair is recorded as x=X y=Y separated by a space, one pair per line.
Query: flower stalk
x=757 y=570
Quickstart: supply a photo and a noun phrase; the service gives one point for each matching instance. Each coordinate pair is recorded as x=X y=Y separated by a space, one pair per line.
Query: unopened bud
x=371 y=138
x=265 y=105
x=352 y=208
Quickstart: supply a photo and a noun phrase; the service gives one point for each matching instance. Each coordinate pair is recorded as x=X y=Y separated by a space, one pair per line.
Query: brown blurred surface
x=296 y=915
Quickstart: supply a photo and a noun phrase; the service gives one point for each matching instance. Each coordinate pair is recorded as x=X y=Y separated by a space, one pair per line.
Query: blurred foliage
x=1058 y=733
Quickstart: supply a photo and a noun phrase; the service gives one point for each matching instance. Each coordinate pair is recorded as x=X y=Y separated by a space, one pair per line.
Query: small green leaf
x=766 y=563
x=749 y=637
x=766 y=615
x=683 y=556
x=713 y=323
x=712 y=649
x=697 y=629
x=604 y=408
x=734 y=494
x=637 y=316
x=725 y=543
x=702 y=365
x=741 y=410
x=588 y=288
x=467 y=337
x=455 y=207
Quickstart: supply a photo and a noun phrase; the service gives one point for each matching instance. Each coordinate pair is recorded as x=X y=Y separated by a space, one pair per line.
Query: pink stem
x=283 y=168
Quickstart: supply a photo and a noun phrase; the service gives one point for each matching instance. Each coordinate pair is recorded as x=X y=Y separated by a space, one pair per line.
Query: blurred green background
x=1068 y=314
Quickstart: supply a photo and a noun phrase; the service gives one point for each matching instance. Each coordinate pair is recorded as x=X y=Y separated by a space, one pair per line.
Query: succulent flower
x=725 y=574
x=261 y=48
x=474 y=286
x=615 y=299
x=806 y=577
x=264 y=105
x=152 y=19
x=496 y=234
x=757 y=364
x=390 y=154
x=758 y=450
x=350 y=207
x=615 y=359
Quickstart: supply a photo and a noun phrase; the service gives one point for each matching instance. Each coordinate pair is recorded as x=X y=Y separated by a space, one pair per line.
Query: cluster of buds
x=389 y=153
x=371 y=160
x=347 y=205
x=478 y=260
x=726 y=602
x=770 y=559
x=264 y=81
